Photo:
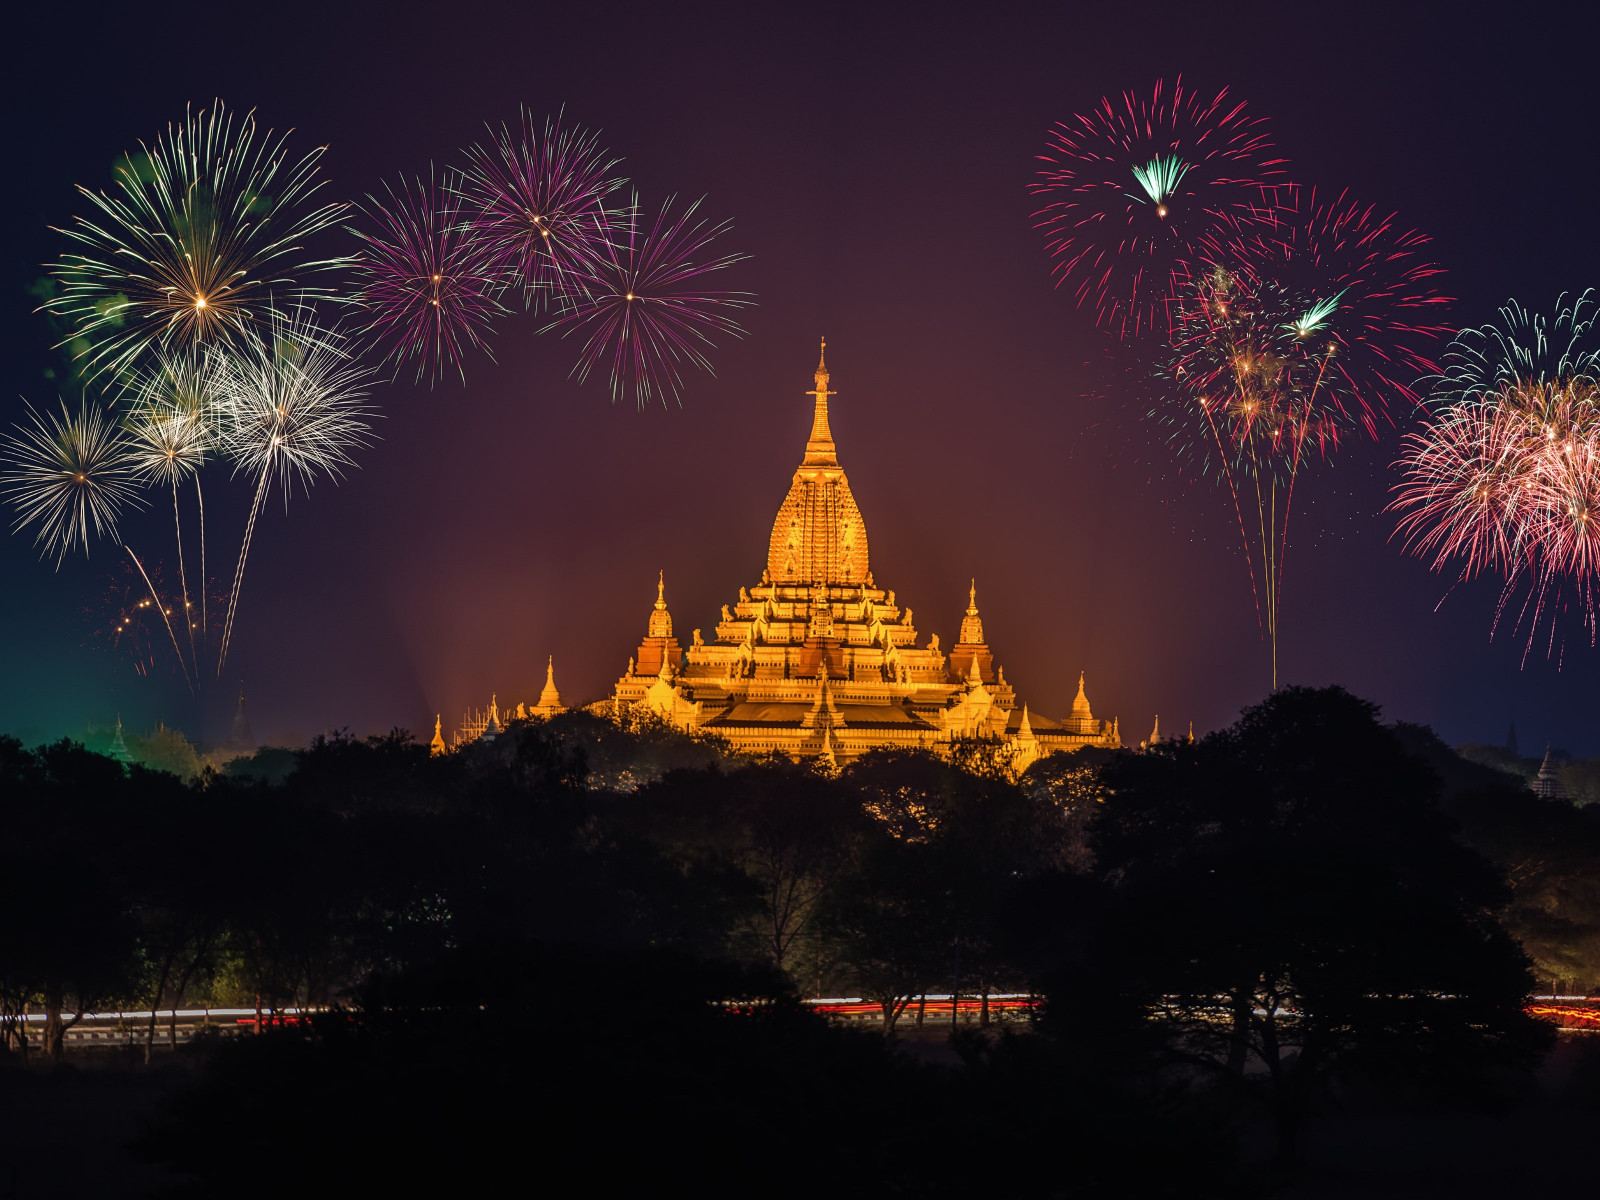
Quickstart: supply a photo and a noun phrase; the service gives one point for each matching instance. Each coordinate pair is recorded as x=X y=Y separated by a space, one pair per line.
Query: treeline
x=1244 y=924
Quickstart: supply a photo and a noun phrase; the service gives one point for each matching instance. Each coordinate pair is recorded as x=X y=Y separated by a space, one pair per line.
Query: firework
x=1504 y=476
x=1133 y=187
x=202 y=228
x=536 y=204
x=70 y=475
x=127 y=621
x=427 y=284
x=1303 y=323
x=1333 y=280
x=171 y=416
x=171 y=430
x=294 y=408
x=644 y=316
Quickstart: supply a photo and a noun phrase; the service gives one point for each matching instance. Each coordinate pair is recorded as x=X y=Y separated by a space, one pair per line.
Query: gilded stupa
x=817 y=661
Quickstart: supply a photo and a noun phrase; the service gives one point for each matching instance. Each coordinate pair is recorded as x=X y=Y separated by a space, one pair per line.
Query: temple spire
x=549 y=699
x=660 y=619
x=119 y=748
x=1080 y=703
x=972 y=624
x=820 y=451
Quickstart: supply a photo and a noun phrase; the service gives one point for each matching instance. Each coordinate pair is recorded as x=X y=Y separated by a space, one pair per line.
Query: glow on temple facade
x=817 y=661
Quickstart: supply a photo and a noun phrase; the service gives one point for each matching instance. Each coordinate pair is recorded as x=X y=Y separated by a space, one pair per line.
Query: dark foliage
x=581 y=945
x=491 y=1070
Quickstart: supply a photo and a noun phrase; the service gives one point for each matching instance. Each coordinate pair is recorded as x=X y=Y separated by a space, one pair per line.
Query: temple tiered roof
x=816 y=660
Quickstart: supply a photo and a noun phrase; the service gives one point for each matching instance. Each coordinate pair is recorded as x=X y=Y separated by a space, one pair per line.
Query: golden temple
x=817 y=661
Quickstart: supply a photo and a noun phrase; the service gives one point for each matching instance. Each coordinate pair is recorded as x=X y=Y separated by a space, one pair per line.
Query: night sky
x=875 y=163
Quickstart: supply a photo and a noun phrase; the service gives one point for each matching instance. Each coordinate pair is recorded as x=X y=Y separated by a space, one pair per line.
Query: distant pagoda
x=241 y=741
x=1547 y=784
x=486 y=724
x=119 y=748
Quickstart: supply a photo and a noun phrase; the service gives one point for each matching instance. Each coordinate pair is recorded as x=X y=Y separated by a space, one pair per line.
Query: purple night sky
x=875 y=163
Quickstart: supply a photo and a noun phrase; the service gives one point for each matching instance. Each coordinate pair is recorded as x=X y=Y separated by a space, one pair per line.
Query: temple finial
x=971 y=624
x=549 y=699
x=1080 y=704
x=820 y=451
x=660 y=619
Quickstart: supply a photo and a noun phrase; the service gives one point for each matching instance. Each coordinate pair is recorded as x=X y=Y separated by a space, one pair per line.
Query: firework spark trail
x=201 y=229
x=165 y=618
x=1132 y=189
x=205 y=580
x=238 y=574
x=183 y=579
x=1225 y=354
x=171 y=429
x=295 y=408
x=1306 y=322
x=536 y=205
x=644 y=313
x=427 y=283
x=131 y=594
x=66 y=475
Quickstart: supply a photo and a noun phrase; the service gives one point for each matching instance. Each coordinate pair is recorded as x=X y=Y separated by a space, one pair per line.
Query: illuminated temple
x=817 y=661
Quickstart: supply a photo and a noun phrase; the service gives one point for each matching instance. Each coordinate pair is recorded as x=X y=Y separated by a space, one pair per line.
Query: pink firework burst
x=1133 y=186
x=1509 y=484
x=643 y=311
x=427 y=284
x=1503 y=478
x=536 y=202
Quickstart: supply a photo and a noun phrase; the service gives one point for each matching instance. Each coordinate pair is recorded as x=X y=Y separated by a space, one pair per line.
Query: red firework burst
x=1333 y=281
x=1132 y=188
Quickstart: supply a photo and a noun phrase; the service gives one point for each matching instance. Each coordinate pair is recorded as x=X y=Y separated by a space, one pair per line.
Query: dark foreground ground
x=67 y=1133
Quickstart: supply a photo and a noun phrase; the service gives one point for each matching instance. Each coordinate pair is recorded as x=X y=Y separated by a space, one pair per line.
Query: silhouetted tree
x=67 y=937
x=1295 y=875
